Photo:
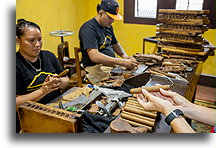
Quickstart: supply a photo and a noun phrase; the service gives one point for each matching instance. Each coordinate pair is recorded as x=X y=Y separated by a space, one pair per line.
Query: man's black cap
x=111 y=7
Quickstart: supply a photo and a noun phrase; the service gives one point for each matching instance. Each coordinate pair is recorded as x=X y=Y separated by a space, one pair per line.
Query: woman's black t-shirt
x=28 y=80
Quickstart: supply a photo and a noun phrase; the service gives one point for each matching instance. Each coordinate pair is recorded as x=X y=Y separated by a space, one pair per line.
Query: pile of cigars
x=134 y=114
x=140 y=120
x=180 y=33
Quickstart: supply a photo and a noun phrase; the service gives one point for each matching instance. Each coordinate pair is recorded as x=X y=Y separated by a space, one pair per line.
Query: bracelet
x=174 y=114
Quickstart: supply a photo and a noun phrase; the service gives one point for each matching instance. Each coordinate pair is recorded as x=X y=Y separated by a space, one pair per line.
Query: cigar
x=139 y=116
x=131 y=98
x=150 y=89
x=162 y=73
x=140 y=112
x=133 y=106
x=137 y=119
x=137 y=107
x=63 y=73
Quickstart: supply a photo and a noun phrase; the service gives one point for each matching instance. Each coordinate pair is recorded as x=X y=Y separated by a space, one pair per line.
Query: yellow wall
x=54 y=15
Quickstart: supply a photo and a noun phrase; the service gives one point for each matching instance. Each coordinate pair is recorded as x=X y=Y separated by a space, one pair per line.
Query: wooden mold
x=179 y=32
x=38 y=118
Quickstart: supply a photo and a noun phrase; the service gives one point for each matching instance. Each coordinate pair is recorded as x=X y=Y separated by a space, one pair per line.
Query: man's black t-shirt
x=92 y=35
x=28 y=80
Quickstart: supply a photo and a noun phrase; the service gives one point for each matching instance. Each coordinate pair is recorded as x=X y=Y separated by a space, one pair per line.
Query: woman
x=36 y=69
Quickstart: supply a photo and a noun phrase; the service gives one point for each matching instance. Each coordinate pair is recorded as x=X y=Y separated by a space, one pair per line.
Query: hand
x=153 y=103
x=58 y=80
x=132 y=58
x=177 y=99
x=159 y=95
x=130 y=63
x=50 y=84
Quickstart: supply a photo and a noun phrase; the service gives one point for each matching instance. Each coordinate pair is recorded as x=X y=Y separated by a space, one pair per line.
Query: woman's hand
x=177 y=99
x=153 y=103
x=50 y=84
x=64 y=81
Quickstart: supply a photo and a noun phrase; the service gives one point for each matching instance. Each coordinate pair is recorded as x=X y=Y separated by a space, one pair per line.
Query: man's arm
x=119 y=50
x=100 y=58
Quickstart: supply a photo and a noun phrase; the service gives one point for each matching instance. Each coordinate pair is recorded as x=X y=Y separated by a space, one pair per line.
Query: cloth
x=93 y=35
x=96 y=74
x=95 y=123
x=28 y=80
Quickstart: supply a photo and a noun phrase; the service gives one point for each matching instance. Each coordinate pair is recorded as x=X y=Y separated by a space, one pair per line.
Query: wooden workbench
x=181 y=87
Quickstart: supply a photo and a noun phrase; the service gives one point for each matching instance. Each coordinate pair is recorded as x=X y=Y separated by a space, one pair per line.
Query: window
x=145 y=11
x=189 y=4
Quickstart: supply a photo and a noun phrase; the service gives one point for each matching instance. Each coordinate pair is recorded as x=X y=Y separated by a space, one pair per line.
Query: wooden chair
x=63 y=52
x=78 y=66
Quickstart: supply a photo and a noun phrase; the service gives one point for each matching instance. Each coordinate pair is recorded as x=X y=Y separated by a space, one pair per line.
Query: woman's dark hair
x=22 y=24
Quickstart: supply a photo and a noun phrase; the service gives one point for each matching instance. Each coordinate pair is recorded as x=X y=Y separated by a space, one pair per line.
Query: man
x=98 y=41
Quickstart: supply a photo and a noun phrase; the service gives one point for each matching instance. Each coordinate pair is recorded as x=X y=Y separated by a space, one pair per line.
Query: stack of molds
x=180 y=32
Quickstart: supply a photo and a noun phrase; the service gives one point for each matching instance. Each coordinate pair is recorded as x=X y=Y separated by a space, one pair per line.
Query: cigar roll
x=155 y=73
x=140 y=112
x=138 y=107
x=136 y=119
x=139 y=116
x=63 y=73
x=133 y=106
x=132 y=98
x=136 y=124
x=133 y=101
x=150 y=89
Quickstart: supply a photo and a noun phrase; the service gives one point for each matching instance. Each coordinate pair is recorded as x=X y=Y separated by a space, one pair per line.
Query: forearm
x=33 y=96
x=103 y=59
x=119 y=50
x=64 y=82
x=202 y=114
x=179 y=124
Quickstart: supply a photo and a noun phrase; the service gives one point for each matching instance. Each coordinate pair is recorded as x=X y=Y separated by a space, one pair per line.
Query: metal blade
x=141 y=68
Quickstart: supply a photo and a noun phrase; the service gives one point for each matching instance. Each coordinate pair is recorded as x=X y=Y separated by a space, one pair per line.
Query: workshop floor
x=205 y=96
